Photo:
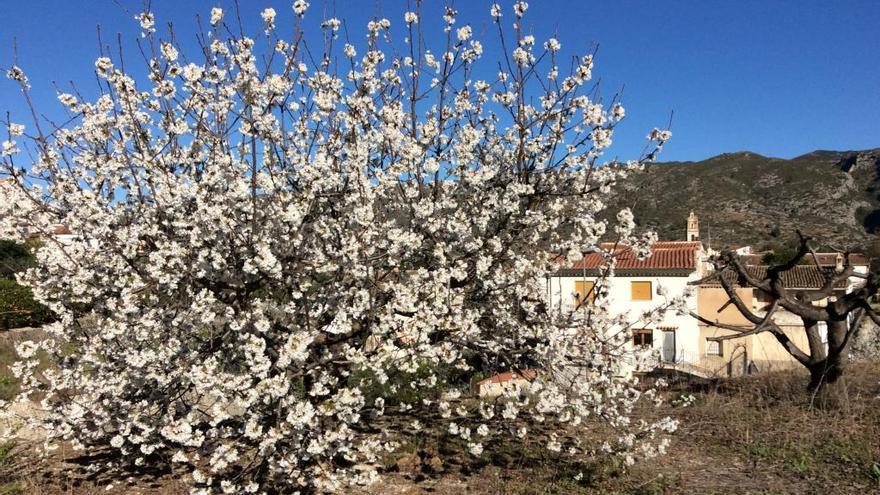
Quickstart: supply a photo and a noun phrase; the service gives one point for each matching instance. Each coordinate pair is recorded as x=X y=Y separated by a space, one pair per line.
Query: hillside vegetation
x=748 y=199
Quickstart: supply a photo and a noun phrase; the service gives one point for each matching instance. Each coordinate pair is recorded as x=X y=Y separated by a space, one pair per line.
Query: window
x=643 y=337
x=641 y=291
x=714 y=348
x=762 y=296
x=583 y=289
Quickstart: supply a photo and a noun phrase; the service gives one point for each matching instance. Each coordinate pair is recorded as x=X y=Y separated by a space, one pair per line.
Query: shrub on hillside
x=866 y=342
x=14 y=257
x=18 y=307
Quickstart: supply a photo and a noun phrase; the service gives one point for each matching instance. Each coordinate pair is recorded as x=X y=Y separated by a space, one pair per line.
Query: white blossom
x=268 y=16
x=300 y=7
x=15 y=129
x=10 y=148
x=216 y=15
x=16 y=74
x=522 y=57
x=449 y=16
x=117 y=441
x=475 y=448
x=147 y=21
x=660 y=136
x=332 y=24
x=169 y=52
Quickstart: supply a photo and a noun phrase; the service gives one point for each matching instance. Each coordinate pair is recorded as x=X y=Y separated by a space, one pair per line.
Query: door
x=668 y=352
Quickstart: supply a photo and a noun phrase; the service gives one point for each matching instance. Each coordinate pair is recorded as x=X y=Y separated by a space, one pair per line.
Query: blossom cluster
x=268 y=237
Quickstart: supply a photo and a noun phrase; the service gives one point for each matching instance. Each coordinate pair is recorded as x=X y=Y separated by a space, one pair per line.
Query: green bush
x=397 y=388
x=18 y=308
x=14 y=258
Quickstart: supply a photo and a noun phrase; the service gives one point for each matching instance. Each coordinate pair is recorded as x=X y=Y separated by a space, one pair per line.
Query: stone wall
x=866 y=344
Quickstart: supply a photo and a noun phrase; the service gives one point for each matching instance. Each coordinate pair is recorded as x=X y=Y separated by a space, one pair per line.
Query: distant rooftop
x=804 y=277
x=824 y=259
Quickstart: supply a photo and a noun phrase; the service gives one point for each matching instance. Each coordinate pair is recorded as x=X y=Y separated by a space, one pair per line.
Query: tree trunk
x=829 y=367
x=831 y=395
x=824 y=373
x=828 y=384
x=814 y=339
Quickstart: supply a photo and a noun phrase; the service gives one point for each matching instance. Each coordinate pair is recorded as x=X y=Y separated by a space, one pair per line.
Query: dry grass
x=757 y=434
x=24 y=472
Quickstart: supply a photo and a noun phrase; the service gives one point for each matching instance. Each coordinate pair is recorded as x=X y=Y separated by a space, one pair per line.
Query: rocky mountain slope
x=745 y=198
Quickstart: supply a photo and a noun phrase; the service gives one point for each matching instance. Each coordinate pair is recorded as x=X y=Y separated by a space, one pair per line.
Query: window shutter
x=641 y=291
x=584 y=288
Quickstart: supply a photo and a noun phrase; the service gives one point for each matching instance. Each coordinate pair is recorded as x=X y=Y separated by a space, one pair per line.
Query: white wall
x=560 y=290
x=854 y=283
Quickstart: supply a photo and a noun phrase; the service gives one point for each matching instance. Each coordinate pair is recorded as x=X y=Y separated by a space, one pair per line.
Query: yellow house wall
x=768 y=353
x=762 y=349
x=734 y=352
x=711 y=299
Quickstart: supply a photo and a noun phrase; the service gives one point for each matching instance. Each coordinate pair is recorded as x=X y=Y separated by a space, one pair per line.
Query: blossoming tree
x=270 y=237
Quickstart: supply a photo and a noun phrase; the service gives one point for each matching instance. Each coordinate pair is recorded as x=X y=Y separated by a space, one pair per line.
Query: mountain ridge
x=745 y=198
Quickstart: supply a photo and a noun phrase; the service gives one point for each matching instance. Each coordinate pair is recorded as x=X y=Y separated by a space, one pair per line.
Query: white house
x=62 y=234
x=679 y=340
x=635 y=289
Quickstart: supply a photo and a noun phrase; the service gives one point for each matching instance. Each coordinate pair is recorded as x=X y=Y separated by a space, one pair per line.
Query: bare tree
x=842 y=313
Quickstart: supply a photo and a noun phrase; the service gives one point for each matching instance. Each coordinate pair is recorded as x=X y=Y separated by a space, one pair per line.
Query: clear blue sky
x=780 y=78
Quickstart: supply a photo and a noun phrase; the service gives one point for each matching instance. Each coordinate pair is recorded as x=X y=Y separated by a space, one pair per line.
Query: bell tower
x=693 y=228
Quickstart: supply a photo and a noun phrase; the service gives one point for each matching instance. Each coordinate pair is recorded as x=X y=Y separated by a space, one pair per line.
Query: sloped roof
x=666 y=256
x=509 y=376
x=59 y=229
x=799 y=277
x=825 y=259
x=830 y=259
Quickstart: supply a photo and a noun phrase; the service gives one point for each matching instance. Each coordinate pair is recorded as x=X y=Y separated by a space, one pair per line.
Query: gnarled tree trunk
x=835 y=302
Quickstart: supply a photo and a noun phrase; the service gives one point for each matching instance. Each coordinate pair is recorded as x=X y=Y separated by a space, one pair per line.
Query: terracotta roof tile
x=825 y=259
x=665 y=255
x=508 y=376
x=799 y=277
x=59 y=229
